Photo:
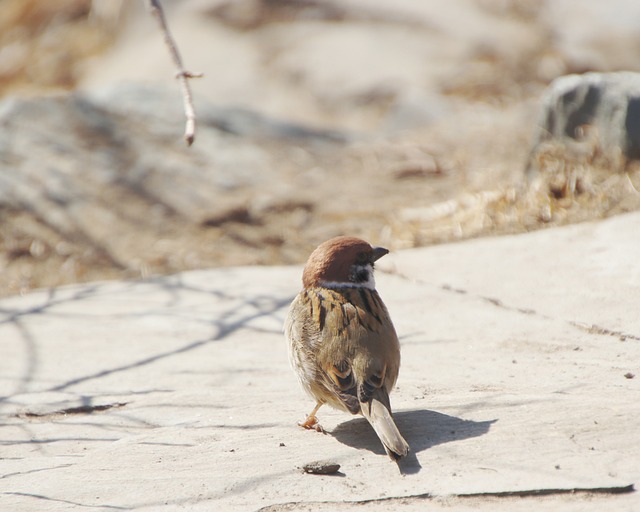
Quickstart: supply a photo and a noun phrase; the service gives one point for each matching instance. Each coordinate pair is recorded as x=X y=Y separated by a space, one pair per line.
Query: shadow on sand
x=421 y=428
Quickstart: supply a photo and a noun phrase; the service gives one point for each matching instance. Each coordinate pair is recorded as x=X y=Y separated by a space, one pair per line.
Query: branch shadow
x=422 y=429
x=241 y=312
x=243 y=309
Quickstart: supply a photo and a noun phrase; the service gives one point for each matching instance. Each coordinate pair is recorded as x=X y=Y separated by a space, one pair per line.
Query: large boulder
x=601 y=110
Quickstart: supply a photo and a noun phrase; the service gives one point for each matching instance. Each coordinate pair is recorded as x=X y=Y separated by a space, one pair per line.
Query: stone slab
x=175 y=393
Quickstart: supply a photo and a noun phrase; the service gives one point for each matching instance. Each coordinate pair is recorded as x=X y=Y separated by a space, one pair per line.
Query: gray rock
x=601 y=110
x=165 y=105
x=321 y=467
x=108 y=169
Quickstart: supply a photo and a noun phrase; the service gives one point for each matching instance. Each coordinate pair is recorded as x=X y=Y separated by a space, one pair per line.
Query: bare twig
x=182 y=74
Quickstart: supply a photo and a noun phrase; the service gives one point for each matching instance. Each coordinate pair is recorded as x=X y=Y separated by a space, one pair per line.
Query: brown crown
x=332 y=260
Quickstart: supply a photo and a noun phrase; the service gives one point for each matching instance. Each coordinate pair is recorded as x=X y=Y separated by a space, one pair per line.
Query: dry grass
x=44 y=44
x=561 y=189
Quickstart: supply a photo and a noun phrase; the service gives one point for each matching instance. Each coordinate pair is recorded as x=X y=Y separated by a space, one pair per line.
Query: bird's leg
x=312 y=422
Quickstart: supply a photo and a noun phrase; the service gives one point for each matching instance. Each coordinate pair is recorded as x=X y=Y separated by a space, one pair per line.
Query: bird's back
x=330 y=327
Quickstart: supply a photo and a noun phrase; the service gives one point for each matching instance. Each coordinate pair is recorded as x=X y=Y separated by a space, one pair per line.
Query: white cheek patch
x=370 y=283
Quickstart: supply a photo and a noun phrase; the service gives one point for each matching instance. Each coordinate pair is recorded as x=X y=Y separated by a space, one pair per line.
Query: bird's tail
x=377 y=411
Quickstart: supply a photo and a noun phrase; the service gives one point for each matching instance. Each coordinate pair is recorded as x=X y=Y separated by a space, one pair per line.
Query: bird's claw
x=311 y=423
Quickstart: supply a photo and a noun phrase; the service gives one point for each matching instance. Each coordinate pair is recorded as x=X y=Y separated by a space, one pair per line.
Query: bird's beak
x=378 y=252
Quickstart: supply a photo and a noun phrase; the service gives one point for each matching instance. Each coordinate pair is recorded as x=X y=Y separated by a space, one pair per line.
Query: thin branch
x=182 y=74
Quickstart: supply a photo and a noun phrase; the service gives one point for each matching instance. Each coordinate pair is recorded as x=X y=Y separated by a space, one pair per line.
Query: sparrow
x=342 y=344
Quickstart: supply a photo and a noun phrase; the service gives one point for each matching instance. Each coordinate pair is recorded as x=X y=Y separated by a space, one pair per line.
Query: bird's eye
x=362 y=259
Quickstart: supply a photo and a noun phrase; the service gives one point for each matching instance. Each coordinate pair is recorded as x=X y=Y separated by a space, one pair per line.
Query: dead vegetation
x=44 y=44
x=561 y=189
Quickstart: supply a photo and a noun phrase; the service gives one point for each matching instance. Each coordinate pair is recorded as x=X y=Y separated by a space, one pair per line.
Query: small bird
x=342 y=344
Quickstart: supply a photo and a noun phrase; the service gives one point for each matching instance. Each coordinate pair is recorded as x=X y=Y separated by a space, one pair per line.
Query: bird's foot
x=311 y=423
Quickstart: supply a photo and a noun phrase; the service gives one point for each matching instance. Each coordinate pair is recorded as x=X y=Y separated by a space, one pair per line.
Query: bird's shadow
x=421 y=428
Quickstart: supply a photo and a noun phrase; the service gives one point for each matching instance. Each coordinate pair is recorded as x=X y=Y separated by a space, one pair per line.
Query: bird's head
x=342 y=262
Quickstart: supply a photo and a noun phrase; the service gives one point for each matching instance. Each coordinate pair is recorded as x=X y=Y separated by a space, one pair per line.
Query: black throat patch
x=360 y=273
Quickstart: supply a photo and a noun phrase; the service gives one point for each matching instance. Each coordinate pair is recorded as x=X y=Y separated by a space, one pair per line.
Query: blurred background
x=406 y=123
